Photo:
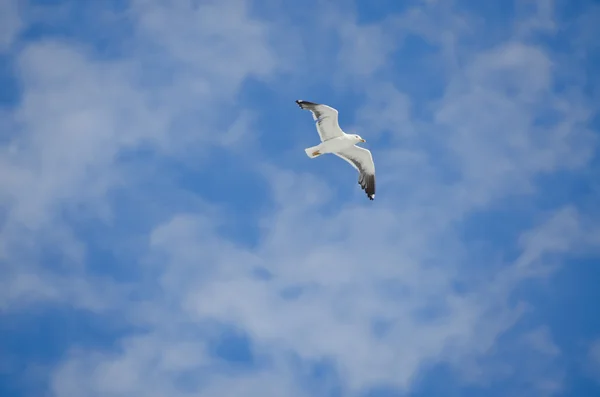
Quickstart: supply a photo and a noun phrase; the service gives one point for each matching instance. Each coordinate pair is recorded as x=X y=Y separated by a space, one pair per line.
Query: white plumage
x=336 y=141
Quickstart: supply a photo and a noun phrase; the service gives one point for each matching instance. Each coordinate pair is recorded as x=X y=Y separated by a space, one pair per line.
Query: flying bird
x=336 y=141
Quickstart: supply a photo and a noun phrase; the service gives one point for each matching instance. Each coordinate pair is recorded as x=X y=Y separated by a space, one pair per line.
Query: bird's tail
x=313 y=152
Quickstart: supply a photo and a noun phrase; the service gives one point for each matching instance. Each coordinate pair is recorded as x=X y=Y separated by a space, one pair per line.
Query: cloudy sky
x=163 y=233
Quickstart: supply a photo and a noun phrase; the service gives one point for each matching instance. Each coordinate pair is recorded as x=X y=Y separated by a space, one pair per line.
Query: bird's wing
x=361 y=159
x=326 y=118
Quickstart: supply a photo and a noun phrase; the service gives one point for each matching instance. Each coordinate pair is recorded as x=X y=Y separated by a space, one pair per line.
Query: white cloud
x=542 y=362
x=540 y=339
x=141 y=371
x=338 y=299
x=379 y=291
x=213 y=46
x=78 y=114
x=537 y=17
x=10 y=23
x=492 y=120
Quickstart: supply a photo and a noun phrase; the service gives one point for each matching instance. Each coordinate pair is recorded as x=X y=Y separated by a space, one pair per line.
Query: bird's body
x=335 y=145
x=336 y=141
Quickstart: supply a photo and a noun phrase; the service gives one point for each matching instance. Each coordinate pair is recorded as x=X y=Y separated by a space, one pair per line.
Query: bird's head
x=358 y=138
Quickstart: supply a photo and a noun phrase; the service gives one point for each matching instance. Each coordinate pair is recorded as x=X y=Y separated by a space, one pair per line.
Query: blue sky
x=162 y=232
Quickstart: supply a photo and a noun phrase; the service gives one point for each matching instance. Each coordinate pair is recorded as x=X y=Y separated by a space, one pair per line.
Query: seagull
x=336 y=141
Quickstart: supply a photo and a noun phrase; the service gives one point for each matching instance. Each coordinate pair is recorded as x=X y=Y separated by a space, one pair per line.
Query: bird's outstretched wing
x=326 y=118
x=361 y=159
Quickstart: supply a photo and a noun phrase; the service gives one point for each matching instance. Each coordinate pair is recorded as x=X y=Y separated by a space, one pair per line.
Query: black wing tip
x=368 y=185
x=302 y=103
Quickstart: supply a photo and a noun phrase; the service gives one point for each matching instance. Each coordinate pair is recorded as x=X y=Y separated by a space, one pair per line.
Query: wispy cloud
x=10 y=23
x=153 y=179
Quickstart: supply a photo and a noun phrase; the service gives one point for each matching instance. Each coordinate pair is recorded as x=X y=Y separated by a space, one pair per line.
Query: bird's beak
x=362 y=140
